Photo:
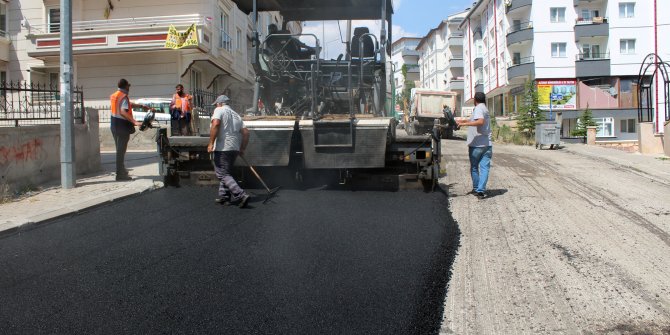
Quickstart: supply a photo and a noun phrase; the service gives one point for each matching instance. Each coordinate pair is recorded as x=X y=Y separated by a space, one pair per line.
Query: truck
x=315 y=118
x=427 y=109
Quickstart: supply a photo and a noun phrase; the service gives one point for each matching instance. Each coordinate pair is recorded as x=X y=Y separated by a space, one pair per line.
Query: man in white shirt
x=480 y=146
x=228 y=138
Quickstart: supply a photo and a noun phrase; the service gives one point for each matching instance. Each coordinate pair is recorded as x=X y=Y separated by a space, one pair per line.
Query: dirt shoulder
x=569 y=243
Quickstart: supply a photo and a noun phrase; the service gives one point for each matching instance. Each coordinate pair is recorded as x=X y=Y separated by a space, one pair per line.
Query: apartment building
x=580 y=53
x=130 y=43
x=441 y=56
x=404 y=53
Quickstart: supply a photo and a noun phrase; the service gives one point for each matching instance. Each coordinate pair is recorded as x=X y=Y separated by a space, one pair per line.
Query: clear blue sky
x=417 y=17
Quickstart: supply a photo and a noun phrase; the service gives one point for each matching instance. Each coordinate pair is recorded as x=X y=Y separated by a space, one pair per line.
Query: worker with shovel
x=228 y=138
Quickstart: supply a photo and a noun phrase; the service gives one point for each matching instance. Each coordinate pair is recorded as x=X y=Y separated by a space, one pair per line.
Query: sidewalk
x=657 y=167
x=91 y=191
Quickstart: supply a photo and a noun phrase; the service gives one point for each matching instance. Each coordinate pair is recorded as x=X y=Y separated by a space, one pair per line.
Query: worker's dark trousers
x=223 y=166
x=121 y=142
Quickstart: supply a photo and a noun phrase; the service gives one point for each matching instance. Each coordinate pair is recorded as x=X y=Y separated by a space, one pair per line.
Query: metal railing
x=593 y=56
x=226 y=41
x=519 y=26
x=23 y=103
x=592 y=20
x=521 y=61
x=128 y=23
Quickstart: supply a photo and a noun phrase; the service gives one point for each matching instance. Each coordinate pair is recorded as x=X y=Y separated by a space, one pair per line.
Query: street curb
x=46 y=218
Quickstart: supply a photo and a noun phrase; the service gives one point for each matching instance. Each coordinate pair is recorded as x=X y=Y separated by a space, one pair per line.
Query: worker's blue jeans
x=480 y=164
x=223 y=166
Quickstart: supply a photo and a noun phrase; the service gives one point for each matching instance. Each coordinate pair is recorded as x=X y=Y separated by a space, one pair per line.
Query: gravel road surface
x=567 y=244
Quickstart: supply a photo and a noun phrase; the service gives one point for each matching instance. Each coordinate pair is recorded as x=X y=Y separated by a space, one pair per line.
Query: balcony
x=520 y=33
x=456 y=84
x=516 y=4
x=412 y=68
x=593 y=65
x=479 y=86
x=118 y=35
x=596 y=26
x=478 y=63
x=456 y=61
x=521 y=68
x=456 y=40
x=409 y=52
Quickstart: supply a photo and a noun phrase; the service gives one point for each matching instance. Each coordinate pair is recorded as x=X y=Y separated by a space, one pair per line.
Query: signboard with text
x=561 y=94
x=178 y=40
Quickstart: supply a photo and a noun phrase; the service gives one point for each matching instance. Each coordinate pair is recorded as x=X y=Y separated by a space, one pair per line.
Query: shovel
x=271 y=192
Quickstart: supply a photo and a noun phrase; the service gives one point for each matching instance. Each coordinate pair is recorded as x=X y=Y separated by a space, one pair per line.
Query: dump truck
x=317 y=118
x=427 y=109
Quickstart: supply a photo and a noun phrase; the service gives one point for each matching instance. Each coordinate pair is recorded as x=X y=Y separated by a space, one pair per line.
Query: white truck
x=426 y=106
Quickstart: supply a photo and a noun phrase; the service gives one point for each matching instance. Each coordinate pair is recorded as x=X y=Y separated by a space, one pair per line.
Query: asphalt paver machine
x=314 y=117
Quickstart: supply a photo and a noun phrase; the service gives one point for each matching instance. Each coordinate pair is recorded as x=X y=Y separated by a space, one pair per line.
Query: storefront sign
x=557 y=94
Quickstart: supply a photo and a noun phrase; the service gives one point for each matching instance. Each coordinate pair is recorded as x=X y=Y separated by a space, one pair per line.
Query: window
x=626 y=10
x=558 y=50
x=3 y=19
x=586 y=15
x=195 y=80
x=627 y=47
x=238 y=39
x=558 y=15
x=54 y=80
x=605 y=127
x=53 y=19
x=628 y=126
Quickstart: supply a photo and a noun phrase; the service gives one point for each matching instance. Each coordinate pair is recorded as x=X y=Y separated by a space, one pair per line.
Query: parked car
x=161 y=106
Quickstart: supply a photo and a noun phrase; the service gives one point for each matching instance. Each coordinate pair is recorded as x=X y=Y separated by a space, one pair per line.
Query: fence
x=25 y=104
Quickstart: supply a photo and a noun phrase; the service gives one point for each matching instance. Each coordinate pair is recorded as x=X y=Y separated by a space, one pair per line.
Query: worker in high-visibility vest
x=122 y=125
x=181 y=106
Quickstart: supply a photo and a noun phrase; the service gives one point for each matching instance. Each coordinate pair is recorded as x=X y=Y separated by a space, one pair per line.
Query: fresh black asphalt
x=171 y=261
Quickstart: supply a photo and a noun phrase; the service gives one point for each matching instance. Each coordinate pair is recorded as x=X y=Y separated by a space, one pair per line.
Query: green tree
x=404 y=96
x=583 y=121
x=529 y=112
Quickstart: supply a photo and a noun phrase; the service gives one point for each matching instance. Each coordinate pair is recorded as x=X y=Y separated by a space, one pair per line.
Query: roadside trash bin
x=547 y=133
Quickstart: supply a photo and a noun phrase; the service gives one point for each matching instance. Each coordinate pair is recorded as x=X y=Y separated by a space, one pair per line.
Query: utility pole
x=67 y=152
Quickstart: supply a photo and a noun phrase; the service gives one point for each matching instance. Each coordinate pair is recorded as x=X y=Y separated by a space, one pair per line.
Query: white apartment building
x=581 y=53
x=441 y=56
x=130 y=44
x=403 y=53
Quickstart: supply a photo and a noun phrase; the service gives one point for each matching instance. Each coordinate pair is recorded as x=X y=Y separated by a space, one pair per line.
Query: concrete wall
x=141 y=140
x=650 y=142
x=30 y=156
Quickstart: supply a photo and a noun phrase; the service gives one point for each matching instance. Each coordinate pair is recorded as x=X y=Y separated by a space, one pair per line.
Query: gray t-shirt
x=229 y=137
x=480 y=136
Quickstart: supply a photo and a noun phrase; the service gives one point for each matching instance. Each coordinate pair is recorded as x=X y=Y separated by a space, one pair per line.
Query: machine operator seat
x=368 y=45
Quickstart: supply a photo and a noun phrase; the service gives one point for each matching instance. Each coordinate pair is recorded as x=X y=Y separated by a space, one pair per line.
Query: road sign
x=556 y=96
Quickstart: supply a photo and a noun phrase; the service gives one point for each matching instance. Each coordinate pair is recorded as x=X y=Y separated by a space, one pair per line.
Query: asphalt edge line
x=30 y=225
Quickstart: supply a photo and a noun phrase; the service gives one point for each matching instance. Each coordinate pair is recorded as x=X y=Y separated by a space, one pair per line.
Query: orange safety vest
x=182 y=103
x=116 y=101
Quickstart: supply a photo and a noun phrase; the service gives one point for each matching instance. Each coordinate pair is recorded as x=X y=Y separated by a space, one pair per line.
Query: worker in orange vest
x=181 y=106
x=122 y=125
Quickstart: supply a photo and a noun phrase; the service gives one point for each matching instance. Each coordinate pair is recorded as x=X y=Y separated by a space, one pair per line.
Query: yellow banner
x=177 y=40
x=543 y=92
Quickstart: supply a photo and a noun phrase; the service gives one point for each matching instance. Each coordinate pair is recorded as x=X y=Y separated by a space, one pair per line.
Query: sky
x=412 y=18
